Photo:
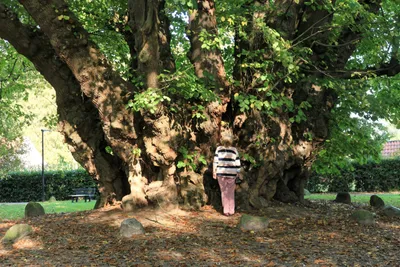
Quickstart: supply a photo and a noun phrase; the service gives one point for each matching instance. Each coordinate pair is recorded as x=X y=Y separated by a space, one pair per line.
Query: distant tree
x=9 y=160
x=13 y=74
x=143 y=88
x=394 y=133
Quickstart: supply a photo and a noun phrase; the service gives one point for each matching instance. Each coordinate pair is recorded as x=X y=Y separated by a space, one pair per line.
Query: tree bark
x=209 y=67
x=150 y=28
x=280 y=146
x=97 y=81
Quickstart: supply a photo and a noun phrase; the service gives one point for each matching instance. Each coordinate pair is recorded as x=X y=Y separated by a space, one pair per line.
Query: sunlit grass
x=389 y=198
x=17 y=211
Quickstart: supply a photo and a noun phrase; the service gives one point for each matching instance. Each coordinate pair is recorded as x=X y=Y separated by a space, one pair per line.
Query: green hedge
x=371 y=177
x=27 y=186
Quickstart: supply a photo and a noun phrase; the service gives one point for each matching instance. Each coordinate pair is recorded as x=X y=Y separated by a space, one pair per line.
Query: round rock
x=130 y=227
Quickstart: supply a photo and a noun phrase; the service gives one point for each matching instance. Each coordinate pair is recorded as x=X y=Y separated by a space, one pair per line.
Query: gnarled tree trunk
x=278 y=143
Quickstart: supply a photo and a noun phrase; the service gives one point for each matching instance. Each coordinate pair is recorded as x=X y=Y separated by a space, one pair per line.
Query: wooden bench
x=86 y=193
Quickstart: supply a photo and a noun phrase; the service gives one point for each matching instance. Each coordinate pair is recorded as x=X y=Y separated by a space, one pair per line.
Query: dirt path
x=318 y=234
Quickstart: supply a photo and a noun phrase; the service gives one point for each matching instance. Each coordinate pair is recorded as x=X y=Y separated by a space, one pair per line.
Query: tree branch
x=90 y=67
x=351 y=42
x=75 y=113
x=311 y=27
x=390 y=69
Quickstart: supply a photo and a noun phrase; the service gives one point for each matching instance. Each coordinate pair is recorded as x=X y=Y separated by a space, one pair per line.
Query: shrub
x=381 y=176
x=318 y=183
x=27 y=186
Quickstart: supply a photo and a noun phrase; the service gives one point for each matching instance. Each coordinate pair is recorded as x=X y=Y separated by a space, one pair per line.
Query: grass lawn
x=17 y=211
x=389 y=198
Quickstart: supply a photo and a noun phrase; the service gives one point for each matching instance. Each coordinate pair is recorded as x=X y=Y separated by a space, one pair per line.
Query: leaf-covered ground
x=317 y=234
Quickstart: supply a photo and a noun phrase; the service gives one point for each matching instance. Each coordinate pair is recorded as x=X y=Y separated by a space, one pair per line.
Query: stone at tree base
x=391 y=211
x=376 y=202
x=52 y=199
x=16 y=232
x=130 y=227
x=253 y=223
x=343 y=197
x=363 y=217
x=33 y=209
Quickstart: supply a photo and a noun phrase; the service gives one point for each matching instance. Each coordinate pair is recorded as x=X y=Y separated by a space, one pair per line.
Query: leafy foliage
x=13 y=75
x=361 y=102
x=14 y=72
x=103 y=19
x=383 y=176
x=26 y=104
x=147 y=100
x=9 y=151
x=190 y=161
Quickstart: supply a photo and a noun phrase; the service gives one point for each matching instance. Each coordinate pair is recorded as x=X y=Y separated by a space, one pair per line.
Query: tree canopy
x=144 y=88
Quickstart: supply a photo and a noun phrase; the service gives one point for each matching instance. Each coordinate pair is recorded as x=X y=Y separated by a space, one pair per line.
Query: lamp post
x=43 y=182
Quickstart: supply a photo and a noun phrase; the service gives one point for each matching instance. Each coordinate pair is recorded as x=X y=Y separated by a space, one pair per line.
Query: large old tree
x=144 y=88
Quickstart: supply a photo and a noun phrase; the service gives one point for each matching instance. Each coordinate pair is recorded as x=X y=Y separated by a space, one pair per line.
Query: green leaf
x=181 y=164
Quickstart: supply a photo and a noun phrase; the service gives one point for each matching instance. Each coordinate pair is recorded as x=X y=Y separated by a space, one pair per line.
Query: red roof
x=391 y=148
